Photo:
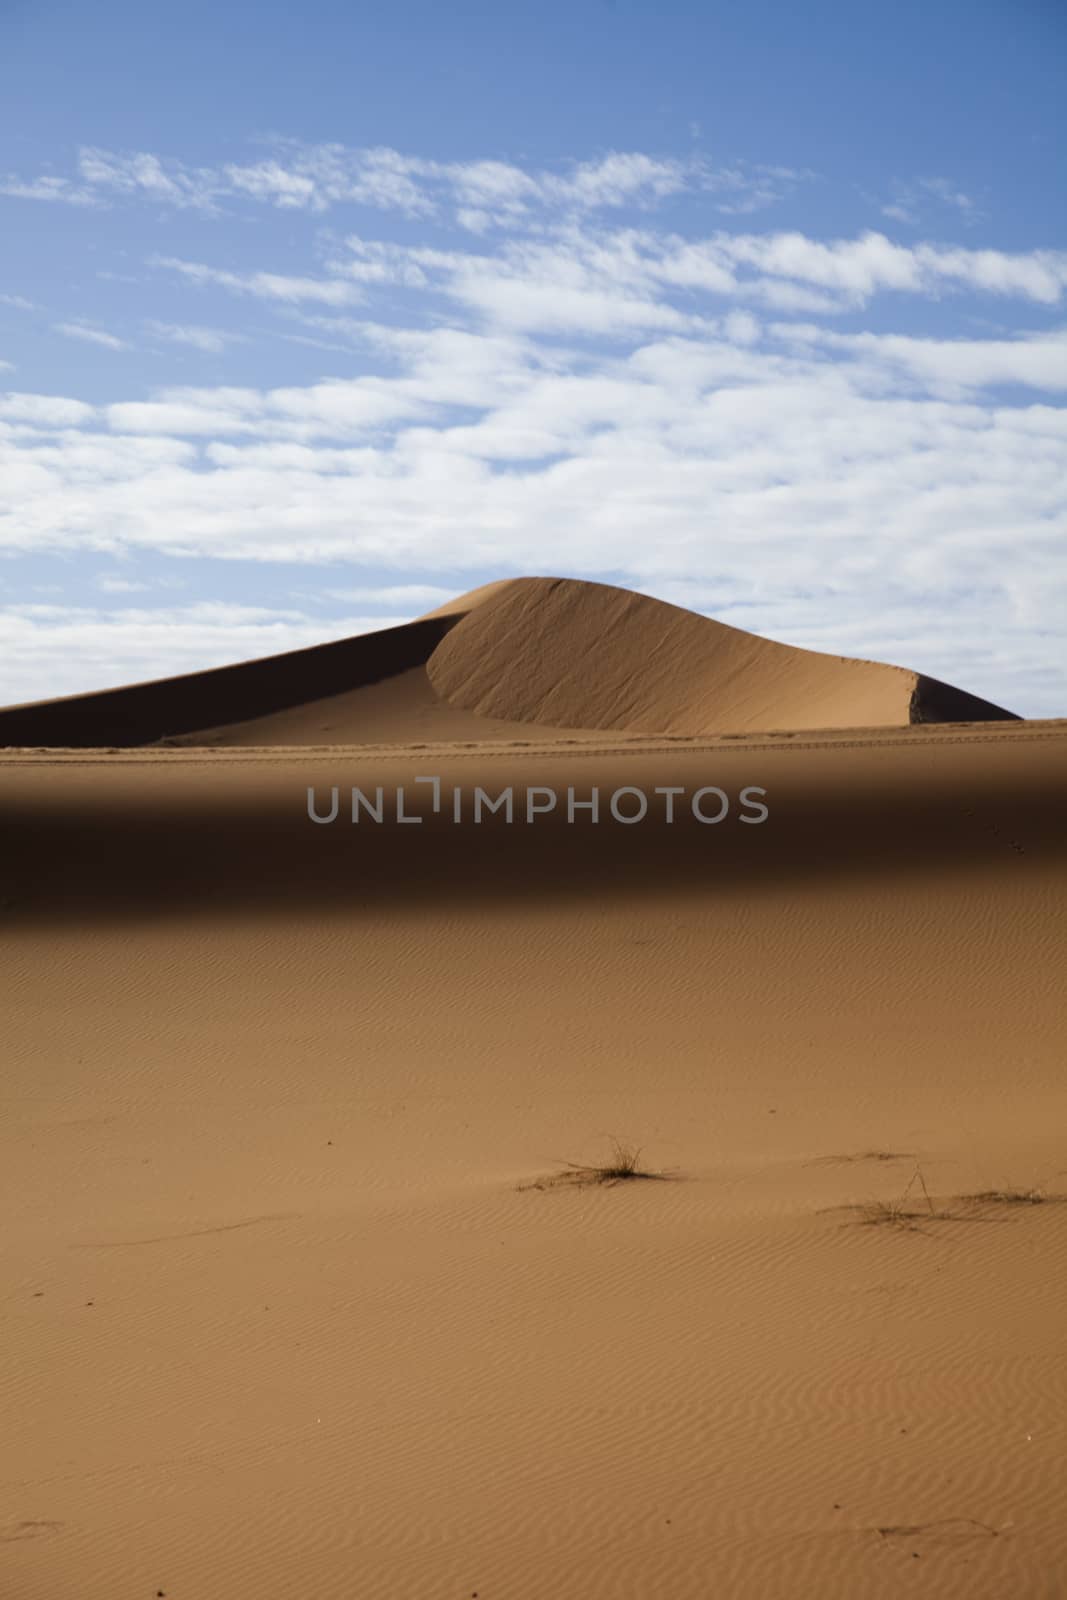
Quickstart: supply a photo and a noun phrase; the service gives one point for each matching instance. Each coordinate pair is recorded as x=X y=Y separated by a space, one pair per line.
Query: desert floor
x=294 y=1303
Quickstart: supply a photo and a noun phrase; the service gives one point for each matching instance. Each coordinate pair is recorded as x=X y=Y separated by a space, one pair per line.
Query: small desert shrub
x=624 y=1162
x=904 y=1212
x=623 y=1165
x=891 y=1214
x=908 y=1213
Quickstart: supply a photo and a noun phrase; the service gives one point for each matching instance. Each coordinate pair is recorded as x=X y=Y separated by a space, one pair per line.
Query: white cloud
x=110 y=583
x=614 y=180
x=210 y=340
x=947 y=192
x=46 y=188
x=316 y=177
x=45 y=410
x=404 y=598
x=722 y=448
x=581 y=280
x=952 y=365
x=332 y=409
x=860 y=268
x=898 y=212
x=89 y=335
x=267 y=285
x=143 y=174
x=910 y=200
x=474 y=219
x=17 y=302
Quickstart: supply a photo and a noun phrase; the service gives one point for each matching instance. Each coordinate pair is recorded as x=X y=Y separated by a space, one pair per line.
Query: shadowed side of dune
x=587 y=655
x=171 y=707
x=934 y=701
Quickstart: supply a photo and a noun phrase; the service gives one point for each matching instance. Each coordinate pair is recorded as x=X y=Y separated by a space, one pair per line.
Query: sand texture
x=300 y=1296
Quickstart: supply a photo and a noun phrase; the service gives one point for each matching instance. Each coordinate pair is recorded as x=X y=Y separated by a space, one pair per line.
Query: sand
x=294 y=1303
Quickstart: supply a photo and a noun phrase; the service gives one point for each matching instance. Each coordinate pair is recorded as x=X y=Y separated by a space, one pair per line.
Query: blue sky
x=310 y=317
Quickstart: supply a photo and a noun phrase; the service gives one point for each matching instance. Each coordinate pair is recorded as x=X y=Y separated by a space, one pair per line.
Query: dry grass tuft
x=1009 y=1195
x=912 y=1215
x=622 y=1166
x=906 y=1212
x=889 y=1214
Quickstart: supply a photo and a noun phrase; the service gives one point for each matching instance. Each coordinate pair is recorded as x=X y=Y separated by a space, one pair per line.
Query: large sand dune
x=551 y=652
x=293 y=1303
x=569 y=654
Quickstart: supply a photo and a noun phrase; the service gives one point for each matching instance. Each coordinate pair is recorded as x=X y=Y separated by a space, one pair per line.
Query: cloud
x=405 y=598
x=947 y=192
x=951 y=365
x=335 y=409
x=574 y=461
x=89 y=335
x=860 y=268
x=109 y=583
x=210 y=340
x=267 y=285
x=501 y=190
x=317 y=177
x=746 y=189
x=17 y=301
x=577 y=278
x=56 y=189
x=911 y=200
x=550 y=217
x=598 y=282
x=45 y=410
x=143 y=174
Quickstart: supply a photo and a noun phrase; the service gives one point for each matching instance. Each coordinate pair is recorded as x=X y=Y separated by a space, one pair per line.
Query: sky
x=313 y=317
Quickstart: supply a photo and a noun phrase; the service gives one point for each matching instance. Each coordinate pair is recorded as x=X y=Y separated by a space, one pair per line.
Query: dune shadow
x=147 y=853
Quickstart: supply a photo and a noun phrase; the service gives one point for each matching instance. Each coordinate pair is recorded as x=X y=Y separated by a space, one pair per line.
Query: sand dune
x=556 y=653
x=587 y=655
x=292 y=1303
